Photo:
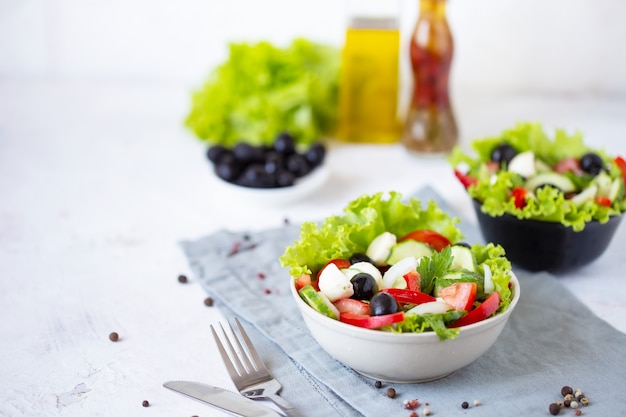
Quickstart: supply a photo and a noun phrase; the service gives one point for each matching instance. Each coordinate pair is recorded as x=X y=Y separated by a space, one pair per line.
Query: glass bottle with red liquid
x=430 y=126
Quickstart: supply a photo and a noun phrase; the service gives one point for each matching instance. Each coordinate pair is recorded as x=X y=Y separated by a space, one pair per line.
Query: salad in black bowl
x=552 y=203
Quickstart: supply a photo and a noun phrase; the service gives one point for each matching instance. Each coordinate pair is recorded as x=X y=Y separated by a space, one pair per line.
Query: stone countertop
x=100 y=181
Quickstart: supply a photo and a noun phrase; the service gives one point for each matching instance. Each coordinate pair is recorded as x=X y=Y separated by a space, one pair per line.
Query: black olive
x=285 y=179
x=227 y=168
x=360 y=257
x=297 y=165
x=246 y=153
x=364 y=286
x=285 y=143
x=383 y=303
x=315 y=155
x=503 y=153
x=214 y=153
x=274 y=162
x=591 y=163
x=464 y=244
x=255 y=176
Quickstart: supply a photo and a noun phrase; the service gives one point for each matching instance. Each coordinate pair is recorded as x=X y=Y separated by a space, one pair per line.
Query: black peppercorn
x=378 y=384
x=464 y=404
x=554 y=409
x=208 y=301
x=114 y=337
x=182 y=279
x=391 y=393
x=145 y=403
x=566 y=390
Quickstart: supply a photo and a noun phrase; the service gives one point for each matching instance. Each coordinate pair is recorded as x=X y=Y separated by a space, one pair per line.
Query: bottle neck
x=433 y=8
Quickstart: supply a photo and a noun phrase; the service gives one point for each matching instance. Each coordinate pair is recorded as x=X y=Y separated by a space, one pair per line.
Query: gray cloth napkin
x=551 y=340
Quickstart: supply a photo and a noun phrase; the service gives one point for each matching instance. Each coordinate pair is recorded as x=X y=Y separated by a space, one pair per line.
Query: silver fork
x=248 y=371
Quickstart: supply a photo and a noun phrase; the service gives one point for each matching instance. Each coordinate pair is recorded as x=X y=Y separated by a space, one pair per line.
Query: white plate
x=302 y=188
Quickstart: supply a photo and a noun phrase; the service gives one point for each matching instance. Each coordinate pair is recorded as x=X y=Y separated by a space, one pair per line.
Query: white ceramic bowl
x=404 y=357
x=272 y=197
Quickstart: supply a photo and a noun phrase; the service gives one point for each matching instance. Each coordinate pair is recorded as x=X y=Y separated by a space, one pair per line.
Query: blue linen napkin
x=551 y=340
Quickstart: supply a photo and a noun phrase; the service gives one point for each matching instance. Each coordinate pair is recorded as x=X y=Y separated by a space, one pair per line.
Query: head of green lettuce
x=262 y=89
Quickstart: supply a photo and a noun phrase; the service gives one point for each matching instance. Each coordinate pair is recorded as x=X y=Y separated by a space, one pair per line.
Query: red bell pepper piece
x=486 y=309
x=371 y=322
x=465 y=179
x=409 y=296
x=621 y=163
x=603 y=201
x=434 y=239
x=519 y=194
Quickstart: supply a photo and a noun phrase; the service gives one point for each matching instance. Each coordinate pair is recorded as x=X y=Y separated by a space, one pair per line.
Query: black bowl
x=546 y=246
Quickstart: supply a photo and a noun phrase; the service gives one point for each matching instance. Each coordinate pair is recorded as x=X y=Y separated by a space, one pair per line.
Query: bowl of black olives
x=276 y=173
x=553 y=204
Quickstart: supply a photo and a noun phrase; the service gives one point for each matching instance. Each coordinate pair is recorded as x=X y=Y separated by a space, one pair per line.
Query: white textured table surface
x=99 y=182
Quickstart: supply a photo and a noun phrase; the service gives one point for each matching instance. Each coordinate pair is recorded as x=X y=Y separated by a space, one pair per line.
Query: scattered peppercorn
x=573 y=404
x=426 y=411
x=182 y=279
x=569 y=397
x=411 y=405
x=584 y=401
x=261 y=275
x=464 y=404
x=378 y=384
x=413 y=414
x=577 y=412
x=391 y=393
x=267 y=291
x=208 y=302
x=554 y=409
x=286 y=221
x=566 y=390
x=114 y=337
x=476 y=402
x=566 y=403
x=145 y=403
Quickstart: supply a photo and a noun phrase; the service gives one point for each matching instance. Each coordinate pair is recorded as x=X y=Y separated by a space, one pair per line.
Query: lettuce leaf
x=262 y=90
x=419 y=323
x=364 y=218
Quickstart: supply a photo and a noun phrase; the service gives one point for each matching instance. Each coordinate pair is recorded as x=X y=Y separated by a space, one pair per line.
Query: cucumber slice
x=604 y=183
x=551 y=178
x=463 y=258
x=408 y=248
x=587 y=194
x=616 y=188
x=319 y=302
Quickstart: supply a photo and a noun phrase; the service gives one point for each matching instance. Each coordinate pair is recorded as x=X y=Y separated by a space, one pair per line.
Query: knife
x=220 y=398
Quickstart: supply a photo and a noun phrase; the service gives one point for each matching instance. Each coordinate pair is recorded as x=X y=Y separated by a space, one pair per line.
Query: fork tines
x=244 y=365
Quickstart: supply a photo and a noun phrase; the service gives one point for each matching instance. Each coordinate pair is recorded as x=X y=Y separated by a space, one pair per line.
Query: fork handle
x=287 y=409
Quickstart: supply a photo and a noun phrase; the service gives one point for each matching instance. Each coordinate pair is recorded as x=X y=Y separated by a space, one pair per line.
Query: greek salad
x=524 y=173
x=397 y=266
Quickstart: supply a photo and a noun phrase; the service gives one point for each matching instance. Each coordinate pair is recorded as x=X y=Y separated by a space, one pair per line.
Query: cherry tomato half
x=465 y=179
x=436 y=240
x=460 y=295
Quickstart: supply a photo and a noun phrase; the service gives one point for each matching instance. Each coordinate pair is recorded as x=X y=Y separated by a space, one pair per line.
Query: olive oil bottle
x=369 y=84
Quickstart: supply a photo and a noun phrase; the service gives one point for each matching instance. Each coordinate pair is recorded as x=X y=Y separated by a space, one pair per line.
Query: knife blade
x=220 y=398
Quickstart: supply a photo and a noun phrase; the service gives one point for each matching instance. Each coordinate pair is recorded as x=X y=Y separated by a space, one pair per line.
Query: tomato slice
x=371 y=322
x=486 y=309
x=350 y=305
x=304 y=280
x=465 y=179
x=603 y=201
x=621 y=163
x=409 y=296
x=519 y=194
x=413 y=281
x=339 y=262
x=436 y=240
x=460 y=295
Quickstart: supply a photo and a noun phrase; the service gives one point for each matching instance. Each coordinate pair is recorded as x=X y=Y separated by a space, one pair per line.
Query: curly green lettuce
x=261 y=90
x=495 y=192
x=363 y=219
